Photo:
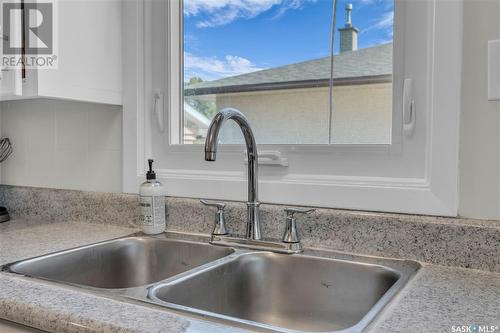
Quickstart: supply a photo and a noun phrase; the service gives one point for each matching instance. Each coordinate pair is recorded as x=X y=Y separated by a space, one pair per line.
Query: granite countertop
x=436 y=299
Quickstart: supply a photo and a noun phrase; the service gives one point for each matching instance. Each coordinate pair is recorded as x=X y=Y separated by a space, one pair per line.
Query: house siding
x=362 y=114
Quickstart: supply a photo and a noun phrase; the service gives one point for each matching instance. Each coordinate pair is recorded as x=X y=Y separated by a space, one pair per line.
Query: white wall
x=480 y=119
x=63 y=144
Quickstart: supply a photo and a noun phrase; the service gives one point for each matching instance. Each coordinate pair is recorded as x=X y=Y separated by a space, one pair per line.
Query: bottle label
x=153 y=209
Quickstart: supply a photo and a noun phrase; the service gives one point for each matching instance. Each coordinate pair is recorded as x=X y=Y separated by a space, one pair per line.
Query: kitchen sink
x=271 y=290
x=316 y=291
x=122 y=263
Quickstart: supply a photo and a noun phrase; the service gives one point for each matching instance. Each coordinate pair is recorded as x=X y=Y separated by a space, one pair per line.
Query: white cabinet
x=88 y=46
x=10 y=80
x=11 y=84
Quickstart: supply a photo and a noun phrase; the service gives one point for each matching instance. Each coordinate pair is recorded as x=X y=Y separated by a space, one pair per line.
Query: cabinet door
x=11 y=83
x=89 y=52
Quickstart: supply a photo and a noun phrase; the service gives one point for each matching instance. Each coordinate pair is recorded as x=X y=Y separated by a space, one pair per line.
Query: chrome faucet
x=253 y=217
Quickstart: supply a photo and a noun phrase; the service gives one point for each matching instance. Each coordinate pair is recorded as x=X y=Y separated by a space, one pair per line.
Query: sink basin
x=283 y=292
x=122 y=263
x=317 y=291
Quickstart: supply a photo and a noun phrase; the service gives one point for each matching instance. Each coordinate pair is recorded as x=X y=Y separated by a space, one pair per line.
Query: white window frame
x=431 y=188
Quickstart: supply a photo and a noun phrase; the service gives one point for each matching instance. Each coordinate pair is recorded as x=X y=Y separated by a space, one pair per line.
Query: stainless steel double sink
x=318 y=291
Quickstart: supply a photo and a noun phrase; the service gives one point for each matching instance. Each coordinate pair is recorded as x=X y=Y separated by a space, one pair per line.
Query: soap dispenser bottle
x=152 y=198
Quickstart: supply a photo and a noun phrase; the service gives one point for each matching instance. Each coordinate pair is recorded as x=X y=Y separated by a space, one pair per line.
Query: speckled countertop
x=436 y=299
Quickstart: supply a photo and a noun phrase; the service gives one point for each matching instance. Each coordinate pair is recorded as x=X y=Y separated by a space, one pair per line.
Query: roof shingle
x=370 y=62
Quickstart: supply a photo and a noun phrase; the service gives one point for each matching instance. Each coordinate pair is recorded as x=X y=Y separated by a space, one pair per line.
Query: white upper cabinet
x=87 y=44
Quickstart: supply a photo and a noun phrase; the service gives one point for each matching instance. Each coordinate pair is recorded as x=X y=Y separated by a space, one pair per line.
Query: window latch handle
x=409 y=111
x=158 y=109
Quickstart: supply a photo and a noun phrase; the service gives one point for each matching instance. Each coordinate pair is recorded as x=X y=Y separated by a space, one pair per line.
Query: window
x=272 y=61
x=411 y=167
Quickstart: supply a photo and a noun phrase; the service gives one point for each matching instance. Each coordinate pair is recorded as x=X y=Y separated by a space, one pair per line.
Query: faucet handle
x=218 y=204
x=220 y=222
x=291 y=234
x=291 y=211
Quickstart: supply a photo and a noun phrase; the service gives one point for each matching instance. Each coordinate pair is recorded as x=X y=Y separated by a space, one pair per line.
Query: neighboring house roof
x=363 y=66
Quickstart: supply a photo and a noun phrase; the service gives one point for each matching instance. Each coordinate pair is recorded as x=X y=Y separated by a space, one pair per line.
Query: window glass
x=271 y=60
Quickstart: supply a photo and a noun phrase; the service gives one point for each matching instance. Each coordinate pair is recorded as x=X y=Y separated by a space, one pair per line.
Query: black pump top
x=150 y=174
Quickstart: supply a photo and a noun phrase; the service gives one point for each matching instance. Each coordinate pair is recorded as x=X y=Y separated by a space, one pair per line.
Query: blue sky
x=230 y=37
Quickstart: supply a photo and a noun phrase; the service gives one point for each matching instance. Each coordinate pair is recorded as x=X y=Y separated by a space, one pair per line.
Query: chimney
x=349 y=33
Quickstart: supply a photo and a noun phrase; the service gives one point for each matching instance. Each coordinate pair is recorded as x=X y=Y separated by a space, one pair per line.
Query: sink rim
x=406 y=268
x=375 y=310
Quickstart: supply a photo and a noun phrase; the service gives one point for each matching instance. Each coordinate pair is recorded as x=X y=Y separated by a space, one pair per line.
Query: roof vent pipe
x=349 y=33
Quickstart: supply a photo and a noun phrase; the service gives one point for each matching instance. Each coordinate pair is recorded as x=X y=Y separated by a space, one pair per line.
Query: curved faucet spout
x=211 y=143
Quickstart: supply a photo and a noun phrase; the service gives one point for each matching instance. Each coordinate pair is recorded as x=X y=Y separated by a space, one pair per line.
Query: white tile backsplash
x=104 y=131
x=72 y=128
x=63 y=144
x=103 y=179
